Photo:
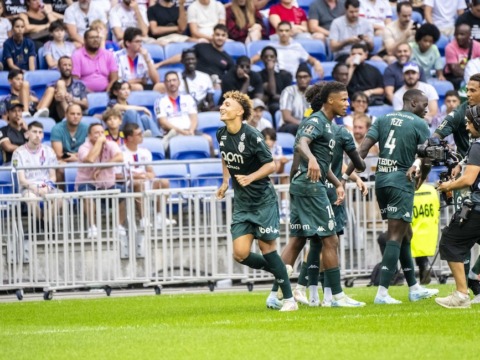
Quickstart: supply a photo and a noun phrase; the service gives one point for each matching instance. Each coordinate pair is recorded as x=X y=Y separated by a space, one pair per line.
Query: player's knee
x=239 y=255
x=330 y=242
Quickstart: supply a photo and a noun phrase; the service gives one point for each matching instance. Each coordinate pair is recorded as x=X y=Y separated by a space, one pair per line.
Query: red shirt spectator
x=286 y=12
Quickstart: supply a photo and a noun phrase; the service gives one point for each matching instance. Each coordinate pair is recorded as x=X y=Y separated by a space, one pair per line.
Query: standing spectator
x=241 y=78
x=399 y=31
x=95 y=66
x=5 y=25
x=425 y=53
x=127 y=14
x=359 y=109
x=12 y=135
x=65 y=91
x=377 y=12
x=363 y=76
x=349 y=29
x=203 y=16
x=20 y=90
x=19 y=51
x=168 y=22
x=57 y=47
x=257 y=120
x=472 y=18
x=411 y=74
x=458 y=53
x=97 y=149
x=292 y=101
x=321 y=14
x=274 y=79
x=442 y=14
x=135 y=64
x=287 y=11
x=244 y=22
x=14 y=7
x=78 y=18
x=196 y=83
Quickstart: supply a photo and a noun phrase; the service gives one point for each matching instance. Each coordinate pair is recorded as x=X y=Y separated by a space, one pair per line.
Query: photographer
x=463 y=231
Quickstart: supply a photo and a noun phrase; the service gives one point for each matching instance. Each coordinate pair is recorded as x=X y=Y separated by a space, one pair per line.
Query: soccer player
x=248 y=161
x=398 y=135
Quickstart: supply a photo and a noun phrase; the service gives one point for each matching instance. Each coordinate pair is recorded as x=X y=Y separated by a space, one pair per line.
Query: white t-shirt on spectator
x=75 y=16
x=428 y=89
x=198 y=87
x=5 y=27
x=444 y=12
x=290 y=56
x=377 y=12
x=123 y=18
x=473 y=67
x=176 y=111
x=125 y=72
x=206 y=16
x=142 y=155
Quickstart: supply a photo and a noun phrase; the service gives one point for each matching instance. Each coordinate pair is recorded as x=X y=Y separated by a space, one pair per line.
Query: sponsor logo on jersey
x=269 y=230
x=259 y=139
x=388 y=209
x=221 y=143
x=321 y=229
x=224 y=137
x=299 y=227
x=231 y=157
x=384 y=268
x=315 y=120
x=407 y=214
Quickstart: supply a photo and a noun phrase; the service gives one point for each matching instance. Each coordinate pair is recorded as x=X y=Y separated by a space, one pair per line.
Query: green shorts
x=263 y=223
x=338 y=210
x=311 y=215
x=395 y=203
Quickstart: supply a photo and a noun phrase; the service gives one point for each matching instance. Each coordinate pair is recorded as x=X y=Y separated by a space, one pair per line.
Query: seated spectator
x=142 y=177
x=139 y=115
x=411 y=74
x=393 y=75
x=363 y=76
x=104 y=5
x=452 y=101
x=196 y=83
x=127 y=14
x=241 y=78
x=57 y=47
x=168 y=22
x=95 y=66
x=19 y=90
x=458 y=53
x=14 y=7
x=293 y=103
x=106 y=44
x=135 y=64
x=378 y=13
x=211 y=58
x=37 y=21
x=321 y=14
x=36 y=183
x=97 y=149
x=60 y=94
x=425 y=53
x=177 y=113
x=340 y=73
x=5 y=25
x=287 y=11
x=78 y=18
x=18 y=51
x=348 y=30
x=442 y=14
x=113 y=121
x=361 y=124
x=257 y=120
x=14 y=134
x=473 y=67
x=274 y=79
x=472 y=18
x=359 y=109
x=244 y=22
x=203 y=16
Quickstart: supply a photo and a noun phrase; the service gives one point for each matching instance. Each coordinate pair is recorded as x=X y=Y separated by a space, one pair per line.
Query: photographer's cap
x=257 y=103
x=410 y=66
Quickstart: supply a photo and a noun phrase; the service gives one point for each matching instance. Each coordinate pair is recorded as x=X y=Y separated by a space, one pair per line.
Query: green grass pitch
x=236 y=325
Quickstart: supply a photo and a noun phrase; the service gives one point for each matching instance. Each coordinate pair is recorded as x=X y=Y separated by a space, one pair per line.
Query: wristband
x=345 y=177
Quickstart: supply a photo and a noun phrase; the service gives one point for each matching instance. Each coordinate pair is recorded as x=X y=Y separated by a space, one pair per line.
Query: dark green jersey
x=454 y=123
x=244 y=153
x=343 y=143
x=319 y=129
x=398 y=135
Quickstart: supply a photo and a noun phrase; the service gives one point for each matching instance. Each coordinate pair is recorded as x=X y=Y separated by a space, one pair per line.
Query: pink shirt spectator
x=106 y=177
x=94 y=71
x=295 y=15
x=457 y=55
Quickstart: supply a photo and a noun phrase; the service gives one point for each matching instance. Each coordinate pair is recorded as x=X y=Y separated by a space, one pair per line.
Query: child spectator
x=57 y=47
x=5 y=25
x=19 y=51
x=257 y=120
x=425 y=53
x=113 y=120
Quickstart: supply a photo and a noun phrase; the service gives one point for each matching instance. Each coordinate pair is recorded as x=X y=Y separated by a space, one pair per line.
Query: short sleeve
x=113 y=67
x=47 y=48
x=31 y=48
x=389 y=77
x=312 y=128
x=69 y=16
x=114 y=19
x=56 y=134
x=424 y=132
x=347 y=139
x=221 y=13
x=159 y=113
x=262 y=151
x=82 y=152
x=16 y=158
x=474 y=155
x=192 y=14
x=191 y=105
x=335 y=30
x=373 y=132
x=449 y=125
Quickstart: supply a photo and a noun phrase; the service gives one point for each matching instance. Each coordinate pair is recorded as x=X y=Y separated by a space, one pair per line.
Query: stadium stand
x=315 y=48
x=208 y=123
x=88 y=120
x=4 y=84
x=206 y=174
x=48 y=124
x=156 y=52
x=6 y=181
x=39 y=79
x=155 y=146
x=70 y=176
x=42 y=62
x=97 y=102
x=255 y=47
x=176 y=48
x=380 y=65
x=235 y=49
x=286 y=141
x=189 y=147
x=176 y=173
x=144 y=98
x=379 y=110
x=442 y=44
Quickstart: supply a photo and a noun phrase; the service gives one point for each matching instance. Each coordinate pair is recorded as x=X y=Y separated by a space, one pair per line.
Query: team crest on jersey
x=15 y=163
x=242 y=137
x=309 y=129
x=241 y=147
x=331 y=224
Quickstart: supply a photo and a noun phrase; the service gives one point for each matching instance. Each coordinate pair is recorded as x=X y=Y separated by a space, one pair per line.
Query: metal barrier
x=58 y=252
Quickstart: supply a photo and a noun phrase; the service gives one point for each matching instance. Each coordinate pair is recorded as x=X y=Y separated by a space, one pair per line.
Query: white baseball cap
x=410 y=66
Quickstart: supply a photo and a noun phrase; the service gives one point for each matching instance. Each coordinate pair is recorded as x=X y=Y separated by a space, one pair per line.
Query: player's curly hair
x=244 y=102
x=331 y=88
x=313 y=91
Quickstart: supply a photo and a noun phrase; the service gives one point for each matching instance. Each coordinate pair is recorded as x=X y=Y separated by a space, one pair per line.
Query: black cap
x=13 y=103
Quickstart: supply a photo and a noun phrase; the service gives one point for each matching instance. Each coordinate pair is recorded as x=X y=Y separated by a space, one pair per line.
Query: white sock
x=382 y=291
x=313 y=292
x=289 y=299
x=339 y=296
x=327 y=294
x=273 y=294
x=300 y=287
x=415 y=287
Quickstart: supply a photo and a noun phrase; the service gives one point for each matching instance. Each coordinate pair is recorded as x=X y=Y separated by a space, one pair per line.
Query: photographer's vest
x=426 y=215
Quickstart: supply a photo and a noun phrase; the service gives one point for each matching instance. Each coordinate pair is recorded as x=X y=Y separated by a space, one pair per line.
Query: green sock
x=302 y=277
x=389 y=262
x=406 y=261
x=277 y=268
x=313 y=262
x=255 y=261
x=323 y=279
x=476 y=267
x=332 y=276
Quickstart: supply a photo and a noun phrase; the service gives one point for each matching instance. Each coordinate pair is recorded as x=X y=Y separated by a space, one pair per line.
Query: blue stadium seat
x=328 y=69
x=177 y=48
x=189 y=147
x=3 y=123
x=70 y=176
x=315 y=48
x=286 y=141
x=156 y=52
x=48 y=124
x=206 y=174
x=155 y=146
x=88 y=120
x=4 y=84
x=442 y=44
x=268 y=116
x=255 y=47
x=217 y=96
x=417 y=17
x=304 y=4
x=42 y=62
x=6 y=180
x=164 y=69
x=97 y=102
x=144 y=98
x=278 y=118
x=208 y=123
x=259 y=66
x=441 y=86
x=176 y=173
x=235 y=49
x=379 y=110
x=380 y=65
x=40 y=79
x=377 y=44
